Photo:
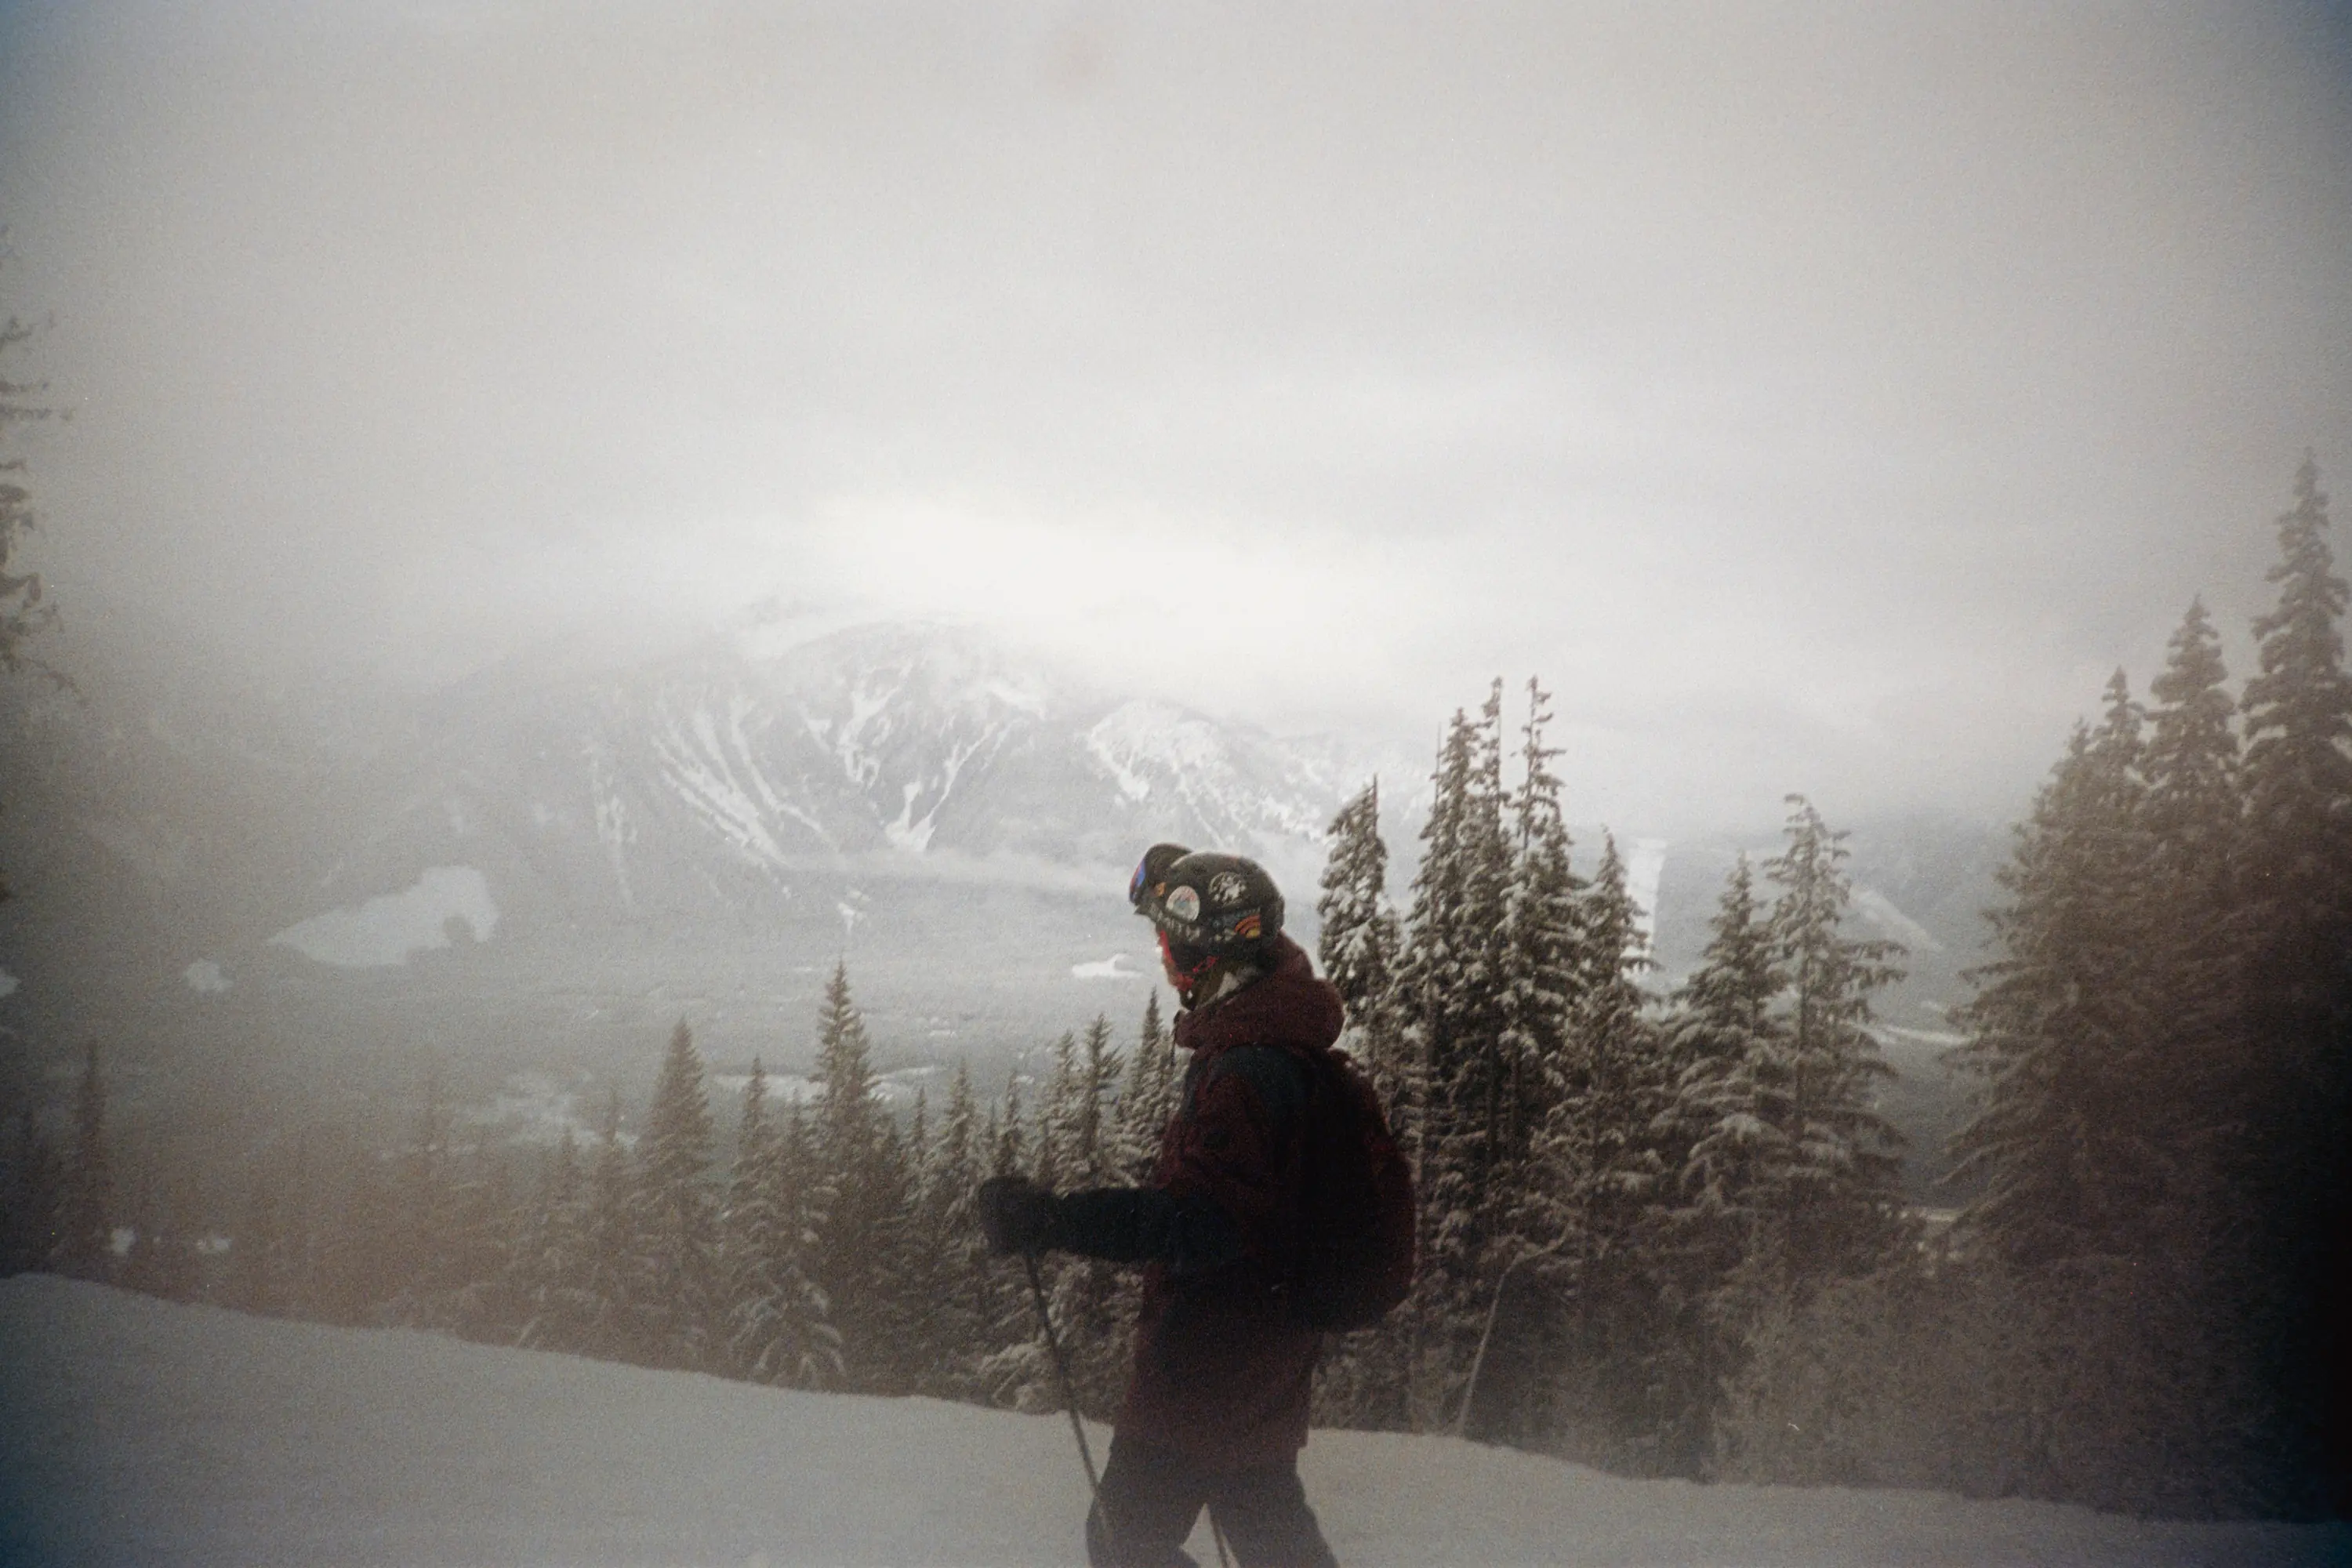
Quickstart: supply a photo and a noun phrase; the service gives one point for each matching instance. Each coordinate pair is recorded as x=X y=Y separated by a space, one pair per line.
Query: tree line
x=1661 y=1233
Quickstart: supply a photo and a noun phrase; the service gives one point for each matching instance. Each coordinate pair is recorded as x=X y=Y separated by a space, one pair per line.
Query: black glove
x=1016 y=1215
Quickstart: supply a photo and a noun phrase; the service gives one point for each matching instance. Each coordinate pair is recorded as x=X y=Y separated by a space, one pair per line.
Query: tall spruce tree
x=1586 y=1198
x=774 y=1328
x=966 y=1300
x=1452 y=996
x=676 y=1224
x=1722 y=1042
x=550 y=1253
x=1058 y=1153
x=1544 y=962
x=861 y=1189
x=2191 y=813
x=2061 y=1029
x=1360 y=940
x=1838 y=1199
x=1149 y=1099
x=608 y=1294
x=2294 y=921
x=1361 y=950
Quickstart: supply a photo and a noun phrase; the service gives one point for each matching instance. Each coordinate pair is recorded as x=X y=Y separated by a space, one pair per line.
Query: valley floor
x=138 y=1431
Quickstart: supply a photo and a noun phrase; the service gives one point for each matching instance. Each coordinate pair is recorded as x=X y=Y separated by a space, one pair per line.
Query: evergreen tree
x=85 y=1246
x=608 y=1298
x=2294 y=921
x=1838 y=1174
x=1720 y=1044
x=860 y=1191
x=1722 y=1034
x=2191 y=812
x=1097 y=1156
x=775 y=1323
x=1361 y=951
x=1359 y=940
x=2061 y=1029
x=1008 y=1140
x=1148 y=1100
x=1590 y=1207
x=1060 y=1159
x=550 y=1254
x=1544 y=959
x=964 y=1302
x=1450 y=992
x=676 y=1224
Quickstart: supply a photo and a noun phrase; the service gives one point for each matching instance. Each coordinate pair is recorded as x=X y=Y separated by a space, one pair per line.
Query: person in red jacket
x=1216 y=1404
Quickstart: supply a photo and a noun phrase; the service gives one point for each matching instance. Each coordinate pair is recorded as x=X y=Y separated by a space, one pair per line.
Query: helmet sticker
x=1247 y=927
x=1184 y=904
x=1227 y=887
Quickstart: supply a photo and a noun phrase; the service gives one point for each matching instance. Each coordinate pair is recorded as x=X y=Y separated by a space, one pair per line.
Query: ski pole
x=1069 y=1399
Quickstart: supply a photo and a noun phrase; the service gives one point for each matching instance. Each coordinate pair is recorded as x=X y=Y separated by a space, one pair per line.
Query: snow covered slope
x=133 y=1430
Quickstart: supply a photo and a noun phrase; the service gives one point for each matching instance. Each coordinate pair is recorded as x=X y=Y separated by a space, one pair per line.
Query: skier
x=1216 y=1403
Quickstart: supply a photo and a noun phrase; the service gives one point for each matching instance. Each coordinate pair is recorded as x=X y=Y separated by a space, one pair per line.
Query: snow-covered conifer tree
x=550 y=1250
x=1450 y=999
x=1543 y=951
x=1008 y=1140
x=1149 y=1098
x=966 y=1300
x=1838 y=1175
x=863 y=1187
x=1360 y=936
x=774 y=1327
x=607 y=1294
x=1059 y=1119
x=1361 y=953
x=1721 y=1044
x=2063 y=1029
x=677 y=1223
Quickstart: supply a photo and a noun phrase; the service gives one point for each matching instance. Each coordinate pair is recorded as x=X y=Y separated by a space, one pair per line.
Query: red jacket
x=1221 y=1374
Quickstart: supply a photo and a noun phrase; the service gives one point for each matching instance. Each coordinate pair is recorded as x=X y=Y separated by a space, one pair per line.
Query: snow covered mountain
x=546 y=864
x=724 y=782
x=553 y=858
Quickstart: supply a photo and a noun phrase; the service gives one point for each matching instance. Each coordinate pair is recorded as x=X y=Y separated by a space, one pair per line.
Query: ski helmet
x=1216 y=903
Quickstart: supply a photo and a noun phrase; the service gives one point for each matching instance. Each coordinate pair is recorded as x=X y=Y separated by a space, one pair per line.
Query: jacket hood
x=1288 y=1006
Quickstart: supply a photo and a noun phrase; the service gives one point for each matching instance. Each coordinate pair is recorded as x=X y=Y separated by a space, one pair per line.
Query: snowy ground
x=136 y=1431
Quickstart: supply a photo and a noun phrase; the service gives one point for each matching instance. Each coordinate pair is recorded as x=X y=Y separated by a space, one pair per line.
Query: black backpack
x=1355 y=1255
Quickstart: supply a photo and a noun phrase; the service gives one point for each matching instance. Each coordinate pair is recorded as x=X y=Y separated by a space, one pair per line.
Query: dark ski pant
x=1152 y=1497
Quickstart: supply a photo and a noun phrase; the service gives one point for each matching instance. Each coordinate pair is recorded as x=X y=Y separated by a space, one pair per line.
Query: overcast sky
x=1819 y=398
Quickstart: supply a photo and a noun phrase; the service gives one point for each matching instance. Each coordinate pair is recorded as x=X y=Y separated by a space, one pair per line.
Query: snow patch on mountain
x=205 y=977
x=1152 y=750
x=913 y=834
x=384 y=931
x=1115 y=967
x=1879 y=911
x=1644 y=870
x=715 y=772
